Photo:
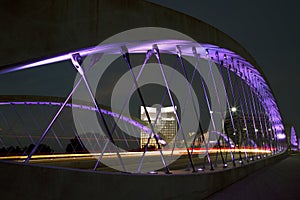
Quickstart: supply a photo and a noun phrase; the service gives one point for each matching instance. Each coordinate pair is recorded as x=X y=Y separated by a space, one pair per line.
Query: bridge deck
x=277 y=181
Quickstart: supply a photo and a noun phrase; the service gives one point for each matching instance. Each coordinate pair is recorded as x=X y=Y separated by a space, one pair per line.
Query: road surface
x=278 y=181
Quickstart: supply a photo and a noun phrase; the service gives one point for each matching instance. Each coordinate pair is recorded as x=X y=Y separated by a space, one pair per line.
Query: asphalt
x=278 y=181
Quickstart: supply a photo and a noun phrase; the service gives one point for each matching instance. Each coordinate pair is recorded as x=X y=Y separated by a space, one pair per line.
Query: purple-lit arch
x=235 y=63
x=84 y=107
x=255 y=80
x=246 y=72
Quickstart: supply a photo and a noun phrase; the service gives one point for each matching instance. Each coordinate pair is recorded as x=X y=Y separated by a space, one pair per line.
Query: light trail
x=126 y=154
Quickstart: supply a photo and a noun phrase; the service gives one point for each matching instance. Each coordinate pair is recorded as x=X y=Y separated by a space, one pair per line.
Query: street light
x=233 y=109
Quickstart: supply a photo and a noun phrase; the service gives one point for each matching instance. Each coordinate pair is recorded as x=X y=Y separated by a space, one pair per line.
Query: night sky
x=269 y=30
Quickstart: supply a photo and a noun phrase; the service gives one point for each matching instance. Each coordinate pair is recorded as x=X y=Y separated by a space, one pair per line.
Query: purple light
x=281 y=136
x=293 y=137
x=244 y=70
x=84 y=107
x=38 y=63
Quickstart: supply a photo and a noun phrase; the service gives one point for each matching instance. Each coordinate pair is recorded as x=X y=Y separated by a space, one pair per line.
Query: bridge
x=167 y=99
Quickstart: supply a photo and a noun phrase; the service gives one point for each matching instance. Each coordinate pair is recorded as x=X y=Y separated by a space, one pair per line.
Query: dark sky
x=269 y=30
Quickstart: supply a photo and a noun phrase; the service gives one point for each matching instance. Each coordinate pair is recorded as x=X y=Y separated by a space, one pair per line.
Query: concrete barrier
x=19 y=181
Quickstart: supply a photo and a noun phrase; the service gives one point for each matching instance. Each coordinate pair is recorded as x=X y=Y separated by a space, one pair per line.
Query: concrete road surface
x=279 y=181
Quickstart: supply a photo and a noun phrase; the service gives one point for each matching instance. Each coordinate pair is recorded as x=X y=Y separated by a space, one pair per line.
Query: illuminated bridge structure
x=235 y=121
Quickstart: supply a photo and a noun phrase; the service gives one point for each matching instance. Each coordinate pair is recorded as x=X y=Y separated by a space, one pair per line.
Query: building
x=163 y=120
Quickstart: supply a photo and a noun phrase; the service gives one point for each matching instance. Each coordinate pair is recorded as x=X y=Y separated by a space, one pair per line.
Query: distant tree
x=76 y=146
x=42 y=149
x=3 y=150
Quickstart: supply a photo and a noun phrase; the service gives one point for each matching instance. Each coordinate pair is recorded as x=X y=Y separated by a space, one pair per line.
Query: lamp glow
x=233 y=109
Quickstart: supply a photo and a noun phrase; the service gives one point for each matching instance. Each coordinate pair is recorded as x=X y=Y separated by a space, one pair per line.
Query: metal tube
x=51 y=123
x=126 y=58
x=218 y=98
x=251 y=112
x=229 y=109
x=209 y=108
x=148 y=55
x=101 y=115
x=157 y=55
x=179 y=56
x=39 y=127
